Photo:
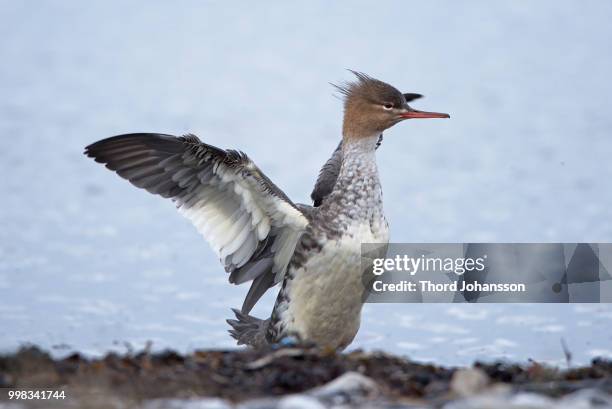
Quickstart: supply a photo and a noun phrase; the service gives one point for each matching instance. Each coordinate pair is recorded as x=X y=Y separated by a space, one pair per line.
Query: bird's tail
x=248 y=330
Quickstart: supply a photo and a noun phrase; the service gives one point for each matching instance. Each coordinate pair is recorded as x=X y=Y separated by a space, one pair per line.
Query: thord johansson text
x=428 y=286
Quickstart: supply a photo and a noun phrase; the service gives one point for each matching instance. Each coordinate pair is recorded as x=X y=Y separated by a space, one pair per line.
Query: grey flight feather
x=250 y=223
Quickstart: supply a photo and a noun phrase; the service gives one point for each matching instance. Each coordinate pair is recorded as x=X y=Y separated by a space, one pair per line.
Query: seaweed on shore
x=240 y=375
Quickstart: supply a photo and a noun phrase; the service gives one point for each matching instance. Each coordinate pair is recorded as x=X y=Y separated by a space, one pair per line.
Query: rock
x=469 y=381
x=584 y=399
x=300 y=402
x=347 y=389
x=200 y=403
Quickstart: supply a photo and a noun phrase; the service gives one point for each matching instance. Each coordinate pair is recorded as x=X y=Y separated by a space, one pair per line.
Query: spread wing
x=248 y=221
x=329 y=174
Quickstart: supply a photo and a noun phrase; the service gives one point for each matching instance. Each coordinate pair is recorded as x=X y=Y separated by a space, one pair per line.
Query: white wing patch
x=250 y=224
x=238 y=213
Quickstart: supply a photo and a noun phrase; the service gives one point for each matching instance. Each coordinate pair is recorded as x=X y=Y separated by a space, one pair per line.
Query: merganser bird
x=260 y=235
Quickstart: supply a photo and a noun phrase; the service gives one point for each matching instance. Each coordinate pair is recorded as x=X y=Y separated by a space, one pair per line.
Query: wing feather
x=249 y=222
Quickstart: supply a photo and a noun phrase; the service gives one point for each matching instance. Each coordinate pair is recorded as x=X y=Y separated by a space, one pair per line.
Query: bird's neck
x=358 y=160
x=358 y=163
x=362 y=146
x=356 y=196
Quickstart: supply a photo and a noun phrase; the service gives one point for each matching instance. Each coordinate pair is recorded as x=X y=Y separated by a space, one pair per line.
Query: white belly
x=326 y=293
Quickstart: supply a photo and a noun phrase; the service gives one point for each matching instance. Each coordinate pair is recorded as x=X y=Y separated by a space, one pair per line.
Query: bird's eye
x=388 y=106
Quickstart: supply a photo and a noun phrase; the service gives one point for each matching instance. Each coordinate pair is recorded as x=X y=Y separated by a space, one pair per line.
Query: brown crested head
x=371 y=106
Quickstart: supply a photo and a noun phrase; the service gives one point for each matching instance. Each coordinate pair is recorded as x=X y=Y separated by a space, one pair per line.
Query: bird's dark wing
x=329 y=174
x=327 y=177
x=248 y=221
